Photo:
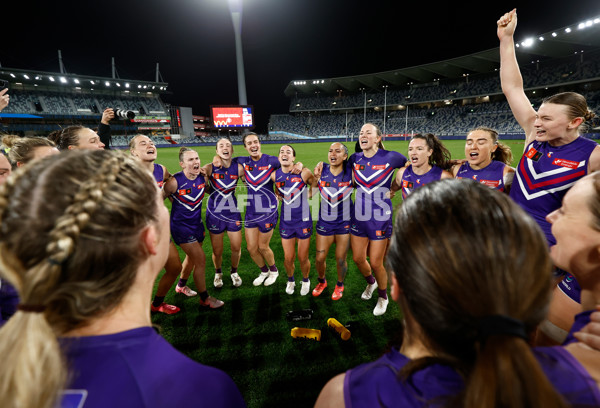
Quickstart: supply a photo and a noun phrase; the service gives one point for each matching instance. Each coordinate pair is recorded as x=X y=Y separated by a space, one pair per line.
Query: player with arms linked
x=373 y=172
x=187 y=189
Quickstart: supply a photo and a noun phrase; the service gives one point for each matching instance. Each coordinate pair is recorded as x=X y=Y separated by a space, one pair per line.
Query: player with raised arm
x=555 y=157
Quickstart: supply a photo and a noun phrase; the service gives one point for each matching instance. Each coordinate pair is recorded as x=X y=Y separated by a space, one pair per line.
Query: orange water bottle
x=302 y=332
x=339 y=328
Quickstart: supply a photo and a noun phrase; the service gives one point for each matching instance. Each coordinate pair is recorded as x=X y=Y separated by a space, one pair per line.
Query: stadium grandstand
x=42 y=102
x=446 y=98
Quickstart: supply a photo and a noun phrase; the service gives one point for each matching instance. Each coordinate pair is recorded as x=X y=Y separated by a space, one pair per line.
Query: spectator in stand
x=24 y=149
x=84 y=237
x=76 y=137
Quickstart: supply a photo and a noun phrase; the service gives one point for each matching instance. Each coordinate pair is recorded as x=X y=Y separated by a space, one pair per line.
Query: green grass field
x=249 y=338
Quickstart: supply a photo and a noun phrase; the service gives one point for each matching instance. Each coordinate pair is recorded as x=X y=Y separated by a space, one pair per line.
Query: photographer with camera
x=107 y=116
x=104 y=127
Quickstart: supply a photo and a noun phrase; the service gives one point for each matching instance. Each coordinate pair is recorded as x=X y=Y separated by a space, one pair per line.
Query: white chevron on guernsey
x=259 y=174
x=559 y=170
x=372 y=175
x=337 y=202
x=224 y=185
x=190 y=207
x=369 y=191
x=540 y=193
x=258 y=186
x=289 y=191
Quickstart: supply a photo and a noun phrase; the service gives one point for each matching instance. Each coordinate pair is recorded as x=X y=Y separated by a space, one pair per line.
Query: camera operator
x=104 y=127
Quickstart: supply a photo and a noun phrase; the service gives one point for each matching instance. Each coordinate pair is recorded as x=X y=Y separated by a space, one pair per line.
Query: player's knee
x=264 y=249
x=358 y=258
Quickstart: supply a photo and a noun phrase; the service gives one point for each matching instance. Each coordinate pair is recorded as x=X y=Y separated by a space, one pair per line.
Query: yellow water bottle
x=314 y=334
x=339 y=328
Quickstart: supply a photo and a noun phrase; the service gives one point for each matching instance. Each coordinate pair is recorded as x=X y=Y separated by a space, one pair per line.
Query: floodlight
x=63 y=80
x=76 y=80
x=25 y=76
x=106 y=83
x=126 y=84
x=527 y=43
x=554 y=34
x=13 y=75
x=567 y=30
x=51 y=78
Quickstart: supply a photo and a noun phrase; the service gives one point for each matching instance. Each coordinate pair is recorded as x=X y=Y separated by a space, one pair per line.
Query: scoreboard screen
x=240 y=116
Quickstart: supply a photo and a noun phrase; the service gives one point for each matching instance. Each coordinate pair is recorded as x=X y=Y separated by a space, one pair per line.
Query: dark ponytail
x=441 y=155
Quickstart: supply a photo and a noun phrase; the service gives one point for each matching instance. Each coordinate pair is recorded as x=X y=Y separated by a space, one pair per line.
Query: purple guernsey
x=491 y=175
x=411 y=181
x=138 y=368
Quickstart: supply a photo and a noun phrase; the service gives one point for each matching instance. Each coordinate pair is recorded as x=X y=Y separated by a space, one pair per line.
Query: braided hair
x=69 y=228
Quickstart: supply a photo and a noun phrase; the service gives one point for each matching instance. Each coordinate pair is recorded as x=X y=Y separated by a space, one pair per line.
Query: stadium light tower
x=235 y=7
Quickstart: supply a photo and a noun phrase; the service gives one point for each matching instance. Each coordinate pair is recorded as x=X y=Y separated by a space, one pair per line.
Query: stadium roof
x=570 y=40
x=27 y=79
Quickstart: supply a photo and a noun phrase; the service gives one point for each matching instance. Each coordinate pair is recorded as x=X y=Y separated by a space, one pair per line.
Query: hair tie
x=501 y=325
x=31 y=308
x=53 y=261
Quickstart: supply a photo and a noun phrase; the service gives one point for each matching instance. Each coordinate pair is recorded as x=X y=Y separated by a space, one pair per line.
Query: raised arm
x=104 y=127
x=510 y=76
x=4 y=98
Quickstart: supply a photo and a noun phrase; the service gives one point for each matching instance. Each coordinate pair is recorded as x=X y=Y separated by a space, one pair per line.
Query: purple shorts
x=300 y=230
x=327 y=229
x=374 y=230
x=186 y=233
x=218 y=223
x=260 y=221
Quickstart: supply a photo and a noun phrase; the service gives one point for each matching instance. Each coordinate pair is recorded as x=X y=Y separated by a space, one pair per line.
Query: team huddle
x=495 y=268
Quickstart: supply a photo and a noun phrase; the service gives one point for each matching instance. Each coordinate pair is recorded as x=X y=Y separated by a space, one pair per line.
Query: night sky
x=283 y=40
